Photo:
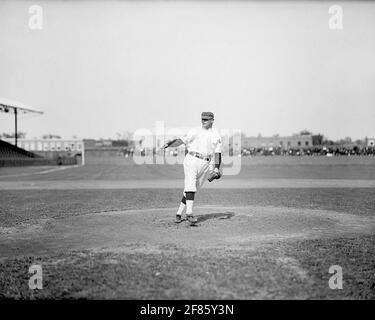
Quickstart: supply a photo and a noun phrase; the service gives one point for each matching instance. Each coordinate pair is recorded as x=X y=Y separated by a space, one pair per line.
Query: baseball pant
x=196 y=171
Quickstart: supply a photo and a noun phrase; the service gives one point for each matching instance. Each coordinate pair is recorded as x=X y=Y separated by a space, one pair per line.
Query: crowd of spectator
x=312 y=151
x=275 y=151
x=126 y=152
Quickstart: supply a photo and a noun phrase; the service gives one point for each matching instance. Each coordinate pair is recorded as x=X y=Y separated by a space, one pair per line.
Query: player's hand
x=160 y=149
x=163 y=148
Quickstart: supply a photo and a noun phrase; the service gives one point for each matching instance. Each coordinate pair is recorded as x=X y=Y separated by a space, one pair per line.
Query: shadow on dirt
x=221 y=215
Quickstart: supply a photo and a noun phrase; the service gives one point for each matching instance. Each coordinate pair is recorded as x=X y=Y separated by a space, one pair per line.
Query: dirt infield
x=178 y=183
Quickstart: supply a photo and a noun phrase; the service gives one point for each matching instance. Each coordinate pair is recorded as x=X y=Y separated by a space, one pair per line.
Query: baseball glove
x=214 y=175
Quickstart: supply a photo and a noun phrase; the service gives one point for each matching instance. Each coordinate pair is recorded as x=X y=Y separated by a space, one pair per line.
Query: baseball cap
x=207 y=116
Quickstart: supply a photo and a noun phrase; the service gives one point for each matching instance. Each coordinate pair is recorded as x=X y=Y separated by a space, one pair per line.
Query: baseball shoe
x=178 y=218
x=193 y=220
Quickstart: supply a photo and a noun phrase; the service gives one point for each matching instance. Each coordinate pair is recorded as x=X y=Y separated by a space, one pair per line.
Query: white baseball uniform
x=206 y=142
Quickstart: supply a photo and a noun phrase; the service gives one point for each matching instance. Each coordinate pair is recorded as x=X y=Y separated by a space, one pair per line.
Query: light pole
x=15 y=124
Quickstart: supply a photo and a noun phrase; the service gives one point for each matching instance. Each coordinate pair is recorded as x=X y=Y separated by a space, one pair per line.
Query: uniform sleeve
x=218 y=144
x=187 y=138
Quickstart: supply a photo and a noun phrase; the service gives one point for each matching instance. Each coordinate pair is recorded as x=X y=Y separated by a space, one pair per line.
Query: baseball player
x=202 y=161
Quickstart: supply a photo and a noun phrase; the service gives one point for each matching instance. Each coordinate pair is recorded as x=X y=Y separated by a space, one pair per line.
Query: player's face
x=207 y=124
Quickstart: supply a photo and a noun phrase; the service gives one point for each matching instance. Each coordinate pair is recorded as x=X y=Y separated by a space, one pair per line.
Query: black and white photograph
x=200 y=152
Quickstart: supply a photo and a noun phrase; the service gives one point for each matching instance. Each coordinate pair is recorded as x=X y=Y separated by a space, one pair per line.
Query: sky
x=101 y=68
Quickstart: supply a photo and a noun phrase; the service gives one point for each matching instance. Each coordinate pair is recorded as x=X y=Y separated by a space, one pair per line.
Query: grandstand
x=12 y=155
x=61 y=151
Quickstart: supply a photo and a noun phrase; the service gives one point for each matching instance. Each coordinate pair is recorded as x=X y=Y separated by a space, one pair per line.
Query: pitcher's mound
x=217 y=226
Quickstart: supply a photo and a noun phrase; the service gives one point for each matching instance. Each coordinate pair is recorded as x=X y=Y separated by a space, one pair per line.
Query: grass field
x=261 y=235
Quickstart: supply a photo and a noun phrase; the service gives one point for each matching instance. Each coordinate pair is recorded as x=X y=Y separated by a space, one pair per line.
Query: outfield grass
x=279 y=270
x=360 y=168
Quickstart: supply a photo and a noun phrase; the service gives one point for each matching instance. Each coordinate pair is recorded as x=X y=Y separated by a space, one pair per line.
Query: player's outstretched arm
x=173 y=143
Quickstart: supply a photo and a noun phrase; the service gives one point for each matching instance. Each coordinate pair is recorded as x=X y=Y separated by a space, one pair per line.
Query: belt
x=199 y=156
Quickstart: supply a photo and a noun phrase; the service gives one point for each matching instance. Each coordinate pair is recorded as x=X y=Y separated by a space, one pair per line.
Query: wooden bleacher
x=11 y=155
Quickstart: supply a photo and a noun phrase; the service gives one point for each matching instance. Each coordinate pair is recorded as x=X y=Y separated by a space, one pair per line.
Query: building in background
x=107 y=151
x=276 y=141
